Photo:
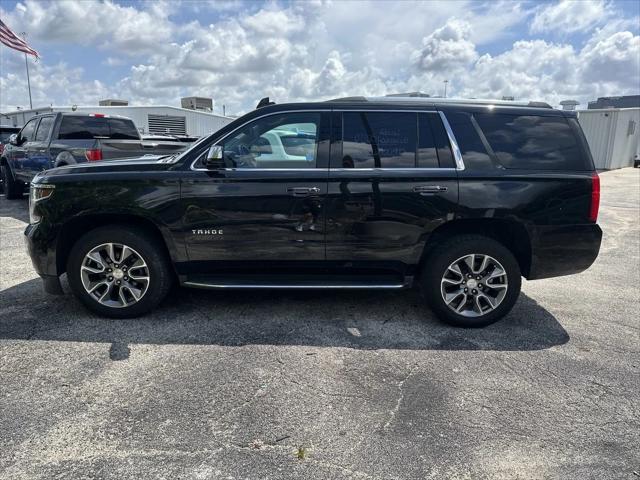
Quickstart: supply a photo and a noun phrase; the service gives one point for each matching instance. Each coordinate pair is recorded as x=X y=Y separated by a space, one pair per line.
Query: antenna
x=264 y=103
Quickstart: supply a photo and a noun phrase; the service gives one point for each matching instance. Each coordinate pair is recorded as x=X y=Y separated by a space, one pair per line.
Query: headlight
x=39 y=192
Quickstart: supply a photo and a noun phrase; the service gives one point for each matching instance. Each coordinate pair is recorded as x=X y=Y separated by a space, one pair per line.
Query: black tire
x=146 y=245
x=437 y=263
x=12 y=188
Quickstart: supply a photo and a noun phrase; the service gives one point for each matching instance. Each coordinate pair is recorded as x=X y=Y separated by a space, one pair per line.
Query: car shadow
x=322 y=318
x=18 y=208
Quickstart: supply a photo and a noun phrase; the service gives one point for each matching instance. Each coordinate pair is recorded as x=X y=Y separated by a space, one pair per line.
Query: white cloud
x=49 y=82
x=448 y=48
x=568 y=16
x=115 y=27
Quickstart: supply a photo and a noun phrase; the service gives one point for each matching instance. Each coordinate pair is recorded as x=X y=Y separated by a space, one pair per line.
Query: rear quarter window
x=533 y=142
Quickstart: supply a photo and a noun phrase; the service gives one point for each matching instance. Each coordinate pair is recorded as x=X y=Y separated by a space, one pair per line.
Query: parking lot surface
x=323 y=384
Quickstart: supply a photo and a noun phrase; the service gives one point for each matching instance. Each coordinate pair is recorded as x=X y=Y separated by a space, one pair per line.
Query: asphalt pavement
x=326 y=384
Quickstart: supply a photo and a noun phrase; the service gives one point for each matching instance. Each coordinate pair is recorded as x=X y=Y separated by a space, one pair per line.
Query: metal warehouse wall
x=613 y=135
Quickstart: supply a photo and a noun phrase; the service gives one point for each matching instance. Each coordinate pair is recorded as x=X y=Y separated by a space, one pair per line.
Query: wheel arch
x=64 y=158
x=511 y=233
x=75 y=228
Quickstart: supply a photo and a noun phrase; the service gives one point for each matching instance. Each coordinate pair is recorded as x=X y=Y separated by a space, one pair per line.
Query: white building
x=613 y=135
x=160 y=119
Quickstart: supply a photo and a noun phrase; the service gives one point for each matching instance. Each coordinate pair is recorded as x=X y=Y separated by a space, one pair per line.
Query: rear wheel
x=471 y=281
x=12 y=188
x=119 y=272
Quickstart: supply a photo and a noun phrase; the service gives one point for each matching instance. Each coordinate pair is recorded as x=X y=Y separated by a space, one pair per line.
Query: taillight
x=595 y=197
x=93 y=155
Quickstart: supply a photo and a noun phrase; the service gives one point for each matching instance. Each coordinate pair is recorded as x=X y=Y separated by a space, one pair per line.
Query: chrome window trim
x=325 y=169
x=457 y=154
x=393 y=169
x=452 y=139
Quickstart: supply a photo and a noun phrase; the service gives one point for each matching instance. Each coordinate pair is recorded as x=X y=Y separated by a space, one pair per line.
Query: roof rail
x=470 y=101
x=348 y=99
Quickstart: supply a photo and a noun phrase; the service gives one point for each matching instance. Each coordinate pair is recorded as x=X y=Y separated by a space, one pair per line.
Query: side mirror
x=214 y=160
x=13 y=139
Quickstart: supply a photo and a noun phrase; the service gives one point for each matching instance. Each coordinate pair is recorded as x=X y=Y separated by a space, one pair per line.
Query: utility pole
x=26 y=64
x=445 y=88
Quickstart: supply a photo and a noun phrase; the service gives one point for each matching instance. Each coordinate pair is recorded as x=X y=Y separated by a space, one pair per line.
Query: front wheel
x=12 y=188
x=471 y=281
x=119 y=272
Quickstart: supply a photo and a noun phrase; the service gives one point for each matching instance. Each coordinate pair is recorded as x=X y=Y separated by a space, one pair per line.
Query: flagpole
x=26 y=64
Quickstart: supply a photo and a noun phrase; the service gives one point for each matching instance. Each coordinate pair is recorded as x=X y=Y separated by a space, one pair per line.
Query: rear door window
x=474 y=152
x=379 y=140
x=122 y=129
x=434 y=149
x=77 y=127
x=44 y=128
x=532 y=142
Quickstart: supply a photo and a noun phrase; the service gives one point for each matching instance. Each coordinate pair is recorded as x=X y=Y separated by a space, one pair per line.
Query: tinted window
x=441 y=139
x=27 y=133
x=379 y=140
x=474 y=153
x=427 y=153
x=122 y=129
x=433 y=144
x=532 y=142
x=44 y=128
x=288 y=140
x=76 y=127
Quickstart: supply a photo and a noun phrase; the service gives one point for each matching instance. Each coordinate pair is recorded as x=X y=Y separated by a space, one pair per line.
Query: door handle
x=302 y=191
x=429 y=189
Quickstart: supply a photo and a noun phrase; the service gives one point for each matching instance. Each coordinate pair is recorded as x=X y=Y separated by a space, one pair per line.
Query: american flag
x=11 y=40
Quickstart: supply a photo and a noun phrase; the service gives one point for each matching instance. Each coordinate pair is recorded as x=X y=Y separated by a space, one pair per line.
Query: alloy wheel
x=115 y=275
x=474 y=285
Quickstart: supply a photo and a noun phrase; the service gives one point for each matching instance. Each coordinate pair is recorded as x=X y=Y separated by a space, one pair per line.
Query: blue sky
x=154 y=52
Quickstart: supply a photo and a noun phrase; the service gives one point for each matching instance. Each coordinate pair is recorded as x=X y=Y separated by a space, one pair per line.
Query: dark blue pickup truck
x=58 y=139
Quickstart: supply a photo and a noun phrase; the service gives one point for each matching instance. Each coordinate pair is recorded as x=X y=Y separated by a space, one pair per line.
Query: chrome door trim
x=389 y=169
x=457 y=154
x=294 y=286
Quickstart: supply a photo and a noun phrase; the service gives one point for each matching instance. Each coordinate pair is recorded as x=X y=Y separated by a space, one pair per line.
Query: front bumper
x=563 y=250
x=43 y=259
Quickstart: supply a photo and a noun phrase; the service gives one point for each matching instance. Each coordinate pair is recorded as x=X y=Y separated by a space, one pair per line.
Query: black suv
x=457 y=198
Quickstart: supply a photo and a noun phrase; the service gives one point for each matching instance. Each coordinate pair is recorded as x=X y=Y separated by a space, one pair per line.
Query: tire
x=12 y=188
x=143 y=245
x=437 y=280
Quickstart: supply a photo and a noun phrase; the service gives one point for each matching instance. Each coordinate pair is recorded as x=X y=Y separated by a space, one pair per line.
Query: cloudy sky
x=237 y=52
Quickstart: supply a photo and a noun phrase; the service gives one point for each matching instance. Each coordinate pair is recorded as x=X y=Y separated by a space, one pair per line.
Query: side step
x=233 y=281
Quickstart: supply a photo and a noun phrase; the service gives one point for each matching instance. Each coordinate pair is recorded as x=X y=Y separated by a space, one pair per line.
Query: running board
x=287 y=282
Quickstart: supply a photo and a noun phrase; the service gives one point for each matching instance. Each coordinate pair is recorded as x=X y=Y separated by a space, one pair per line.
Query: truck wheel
x=119 y=272
x=12 y=188
x=471 y=281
